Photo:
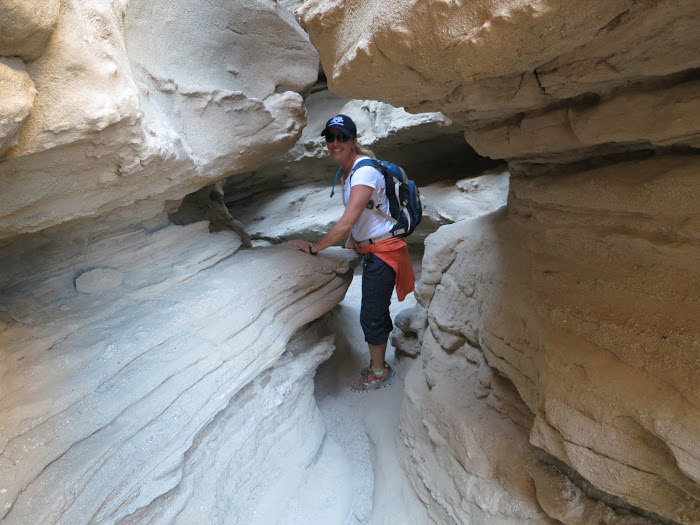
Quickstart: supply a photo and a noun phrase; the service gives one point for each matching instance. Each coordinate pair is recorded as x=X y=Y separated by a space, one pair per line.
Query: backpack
x=405 y=203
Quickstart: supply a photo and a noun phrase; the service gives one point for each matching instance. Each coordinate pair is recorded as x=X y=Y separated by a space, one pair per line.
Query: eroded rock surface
x=592 y=352
x=26 y=26
x=581 y=293
x=492 y=60
x=141 y=401
x=146 y=102
x=18 y=95
x=557 y=373
x=429 y=145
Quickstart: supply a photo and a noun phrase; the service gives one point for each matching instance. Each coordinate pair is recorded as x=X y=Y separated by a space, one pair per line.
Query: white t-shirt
x=370 y=224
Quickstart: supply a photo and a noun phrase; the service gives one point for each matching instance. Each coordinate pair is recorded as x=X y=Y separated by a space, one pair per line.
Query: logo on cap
x=337 y=120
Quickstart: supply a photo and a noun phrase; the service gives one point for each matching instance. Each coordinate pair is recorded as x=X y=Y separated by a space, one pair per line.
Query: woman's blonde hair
x=361 y=150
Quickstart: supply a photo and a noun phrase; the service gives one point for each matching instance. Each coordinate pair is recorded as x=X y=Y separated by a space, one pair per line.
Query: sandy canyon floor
x=364 y=427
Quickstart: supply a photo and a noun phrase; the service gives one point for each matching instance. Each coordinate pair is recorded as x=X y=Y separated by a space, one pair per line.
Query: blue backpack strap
x=362 y=164
x=334 y=181
x=366 y=162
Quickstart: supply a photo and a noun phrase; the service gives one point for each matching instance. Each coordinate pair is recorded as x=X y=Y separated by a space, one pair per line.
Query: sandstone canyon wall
x=142 y=379
x=560 y=358
x=154 y=371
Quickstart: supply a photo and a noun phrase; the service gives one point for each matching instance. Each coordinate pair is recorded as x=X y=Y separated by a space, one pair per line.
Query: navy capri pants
x=378 y=280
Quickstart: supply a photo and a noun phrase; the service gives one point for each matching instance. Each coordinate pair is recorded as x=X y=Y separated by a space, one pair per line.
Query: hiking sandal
x=373 y=381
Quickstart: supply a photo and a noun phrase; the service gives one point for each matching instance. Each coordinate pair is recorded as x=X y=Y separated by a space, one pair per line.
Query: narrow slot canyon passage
x=366 y=425
x=356 y=476
x=168 y=357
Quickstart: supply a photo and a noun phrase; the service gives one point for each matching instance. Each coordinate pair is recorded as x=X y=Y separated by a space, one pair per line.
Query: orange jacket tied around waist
x=394 y=252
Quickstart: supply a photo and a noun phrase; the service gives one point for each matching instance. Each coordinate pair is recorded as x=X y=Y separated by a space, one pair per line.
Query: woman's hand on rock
x=302 y=245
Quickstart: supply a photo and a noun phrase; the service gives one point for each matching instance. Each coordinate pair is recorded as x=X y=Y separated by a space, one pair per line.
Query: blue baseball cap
x=343 y=123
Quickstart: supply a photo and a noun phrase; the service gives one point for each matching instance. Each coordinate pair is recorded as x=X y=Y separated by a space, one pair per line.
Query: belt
x=374 y=240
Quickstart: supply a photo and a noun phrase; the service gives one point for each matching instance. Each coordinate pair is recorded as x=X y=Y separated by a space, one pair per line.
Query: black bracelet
x=311 y=251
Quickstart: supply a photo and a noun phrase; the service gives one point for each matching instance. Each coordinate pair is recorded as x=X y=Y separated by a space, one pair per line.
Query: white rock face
x=309 y=211
x=150 y=401
x=142 y=376
x=124 y=116
x=98 y=280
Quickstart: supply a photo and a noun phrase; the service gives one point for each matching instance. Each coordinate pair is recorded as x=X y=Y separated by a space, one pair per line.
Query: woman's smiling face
x=339 y=151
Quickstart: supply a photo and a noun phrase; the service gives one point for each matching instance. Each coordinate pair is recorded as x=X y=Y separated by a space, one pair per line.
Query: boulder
x=19 y=93
x=123 y=116
x=586 y=306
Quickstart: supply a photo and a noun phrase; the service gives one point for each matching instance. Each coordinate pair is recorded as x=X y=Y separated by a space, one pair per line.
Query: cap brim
x=343 y=130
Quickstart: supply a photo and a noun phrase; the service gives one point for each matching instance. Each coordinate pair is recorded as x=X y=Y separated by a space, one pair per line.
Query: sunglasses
x=331 y=137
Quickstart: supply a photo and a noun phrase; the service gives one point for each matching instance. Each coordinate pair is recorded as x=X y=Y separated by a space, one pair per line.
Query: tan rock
x=616 y=294
x=429 y=54
x=660 y=117
x=409 y=327
x=465 y=438
x=489 y=99
x=645 y=40
x=583 y=295
x=634 y=120
x=18 y=95
x=26 y=25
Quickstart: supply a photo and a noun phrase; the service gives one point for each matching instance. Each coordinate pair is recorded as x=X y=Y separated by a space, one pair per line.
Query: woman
x=386 y=261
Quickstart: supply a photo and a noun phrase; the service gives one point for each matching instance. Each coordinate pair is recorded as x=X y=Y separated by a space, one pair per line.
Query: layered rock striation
x=144 y=380
x=579 y=297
